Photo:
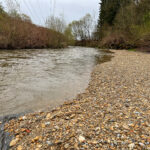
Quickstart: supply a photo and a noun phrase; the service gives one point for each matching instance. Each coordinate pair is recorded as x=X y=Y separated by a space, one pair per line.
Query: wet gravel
x=113 y=113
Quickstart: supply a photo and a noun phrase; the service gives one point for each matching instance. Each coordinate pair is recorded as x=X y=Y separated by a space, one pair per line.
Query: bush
x=16 y=33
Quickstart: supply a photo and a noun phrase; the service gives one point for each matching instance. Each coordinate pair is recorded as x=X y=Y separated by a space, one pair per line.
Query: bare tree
x=83 y=29
x=26 y=18
x=56 y=23
x=13 y=8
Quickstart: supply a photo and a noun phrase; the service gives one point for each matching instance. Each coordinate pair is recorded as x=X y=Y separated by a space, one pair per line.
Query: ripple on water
x=37 y=79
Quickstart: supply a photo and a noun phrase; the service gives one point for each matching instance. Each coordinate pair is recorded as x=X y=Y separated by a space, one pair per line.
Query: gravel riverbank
x=113 y=113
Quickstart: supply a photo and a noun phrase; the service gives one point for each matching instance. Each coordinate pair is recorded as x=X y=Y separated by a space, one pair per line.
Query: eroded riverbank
x=113 y=113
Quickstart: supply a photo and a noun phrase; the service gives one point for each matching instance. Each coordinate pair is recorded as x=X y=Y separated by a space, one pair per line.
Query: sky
x=39 y=10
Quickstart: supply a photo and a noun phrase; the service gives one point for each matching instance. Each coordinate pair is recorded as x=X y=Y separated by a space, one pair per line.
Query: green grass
x=133 y=50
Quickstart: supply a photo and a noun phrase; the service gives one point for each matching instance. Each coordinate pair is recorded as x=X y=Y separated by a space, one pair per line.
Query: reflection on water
x=36 y=79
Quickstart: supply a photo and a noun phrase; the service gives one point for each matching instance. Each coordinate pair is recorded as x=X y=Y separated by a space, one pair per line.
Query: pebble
x=36 y=139
x=48 y=116
x=142 y=145
x=49 y=143
x=81 y=138
x=131 y=146
x=43 y=125
x=14 y=142
x=19 y=147
x=66 y=146
x=39 y=146
x=56 y=127
x=47 y=123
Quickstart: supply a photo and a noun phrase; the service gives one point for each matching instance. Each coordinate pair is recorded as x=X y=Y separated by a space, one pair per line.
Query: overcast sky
x=39 y=10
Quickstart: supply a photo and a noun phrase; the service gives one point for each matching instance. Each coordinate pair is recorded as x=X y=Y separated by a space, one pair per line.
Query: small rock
x=24 y=118
x=58 y=141
x=39 y=146
x=47 y=123
x=81 y=139
x=94 y=142
x=111 y=128
x=66 y=146
x=19 y=147
x=131 y=125
x=49 y=143
x=142 y=145
x=126 y=127
x=131 y=146
x=56 y=127
x=118 y=135
x=97 y=128
x=67 y=118
x=48 y=116
x=137 y=113
x=35 y=139
x=94 y=98
x=43 y=125
x=72 y=116
x=127 y=105
x=14 y=142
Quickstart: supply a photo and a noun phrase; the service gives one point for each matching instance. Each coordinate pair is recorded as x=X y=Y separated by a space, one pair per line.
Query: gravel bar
x=113 y=112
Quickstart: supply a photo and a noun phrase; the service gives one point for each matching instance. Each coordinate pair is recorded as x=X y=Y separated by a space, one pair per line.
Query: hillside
x=19 y=32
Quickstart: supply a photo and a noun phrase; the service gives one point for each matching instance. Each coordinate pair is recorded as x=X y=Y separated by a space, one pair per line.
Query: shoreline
x=94 y=114
x=5 y=136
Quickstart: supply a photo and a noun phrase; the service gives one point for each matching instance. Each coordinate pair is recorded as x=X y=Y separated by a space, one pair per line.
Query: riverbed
x=32 y=80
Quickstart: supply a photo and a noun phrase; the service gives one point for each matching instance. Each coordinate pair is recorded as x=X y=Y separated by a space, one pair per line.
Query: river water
x=32 y=80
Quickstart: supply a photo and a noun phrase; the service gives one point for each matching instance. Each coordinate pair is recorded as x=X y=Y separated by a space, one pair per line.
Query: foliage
x=69 y=36
x=19 y=32
x=128 y=20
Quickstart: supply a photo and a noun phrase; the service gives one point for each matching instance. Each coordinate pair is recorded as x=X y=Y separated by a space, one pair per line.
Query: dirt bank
x=113 y=113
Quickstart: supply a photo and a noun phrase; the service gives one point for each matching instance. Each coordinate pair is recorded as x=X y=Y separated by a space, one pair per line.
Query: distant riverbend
x=32 y=80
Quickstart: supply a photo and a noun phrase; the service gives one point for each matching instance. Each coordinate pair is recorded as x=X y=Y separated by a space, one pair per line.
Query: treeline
x=124 y=24
x=83 y=31
x=18 y=32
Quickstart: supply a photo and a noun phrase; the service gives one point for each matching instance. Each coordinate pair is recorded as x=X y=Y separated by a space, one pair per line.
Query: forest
x=124 y=24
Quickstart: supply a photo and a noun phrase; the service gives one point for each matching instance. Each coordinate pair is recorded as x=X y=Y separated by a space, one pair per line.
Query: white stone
x=81 y=138
x=131 y=146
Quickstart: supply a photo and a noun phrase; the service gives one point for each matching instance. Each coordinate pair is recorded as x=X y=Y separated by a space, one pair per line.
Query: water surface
x=32 y=80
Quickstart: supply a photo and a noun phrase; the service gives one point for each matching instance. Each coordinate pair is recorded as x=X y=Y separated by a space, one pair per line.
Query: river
x=32 y=80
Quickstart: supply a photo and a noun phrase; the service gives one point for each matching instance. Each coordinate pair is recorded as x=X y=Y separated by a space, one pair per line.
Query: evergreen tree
x=108 y=12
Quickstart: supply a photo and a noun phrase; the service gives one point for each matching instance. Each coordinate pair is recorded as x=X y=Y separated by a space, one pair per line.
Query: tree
x=69 y=36
x=76 y=30
x=1 y=9
x=25 y=18
x=124 y=23
x=107 y=14
x=56 y=23
x=13 y=8
x=83 y=28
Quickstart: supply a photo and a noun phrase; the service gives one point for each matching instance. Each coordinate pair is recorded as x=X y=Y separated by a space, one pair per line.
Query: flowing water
x=32 y=80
